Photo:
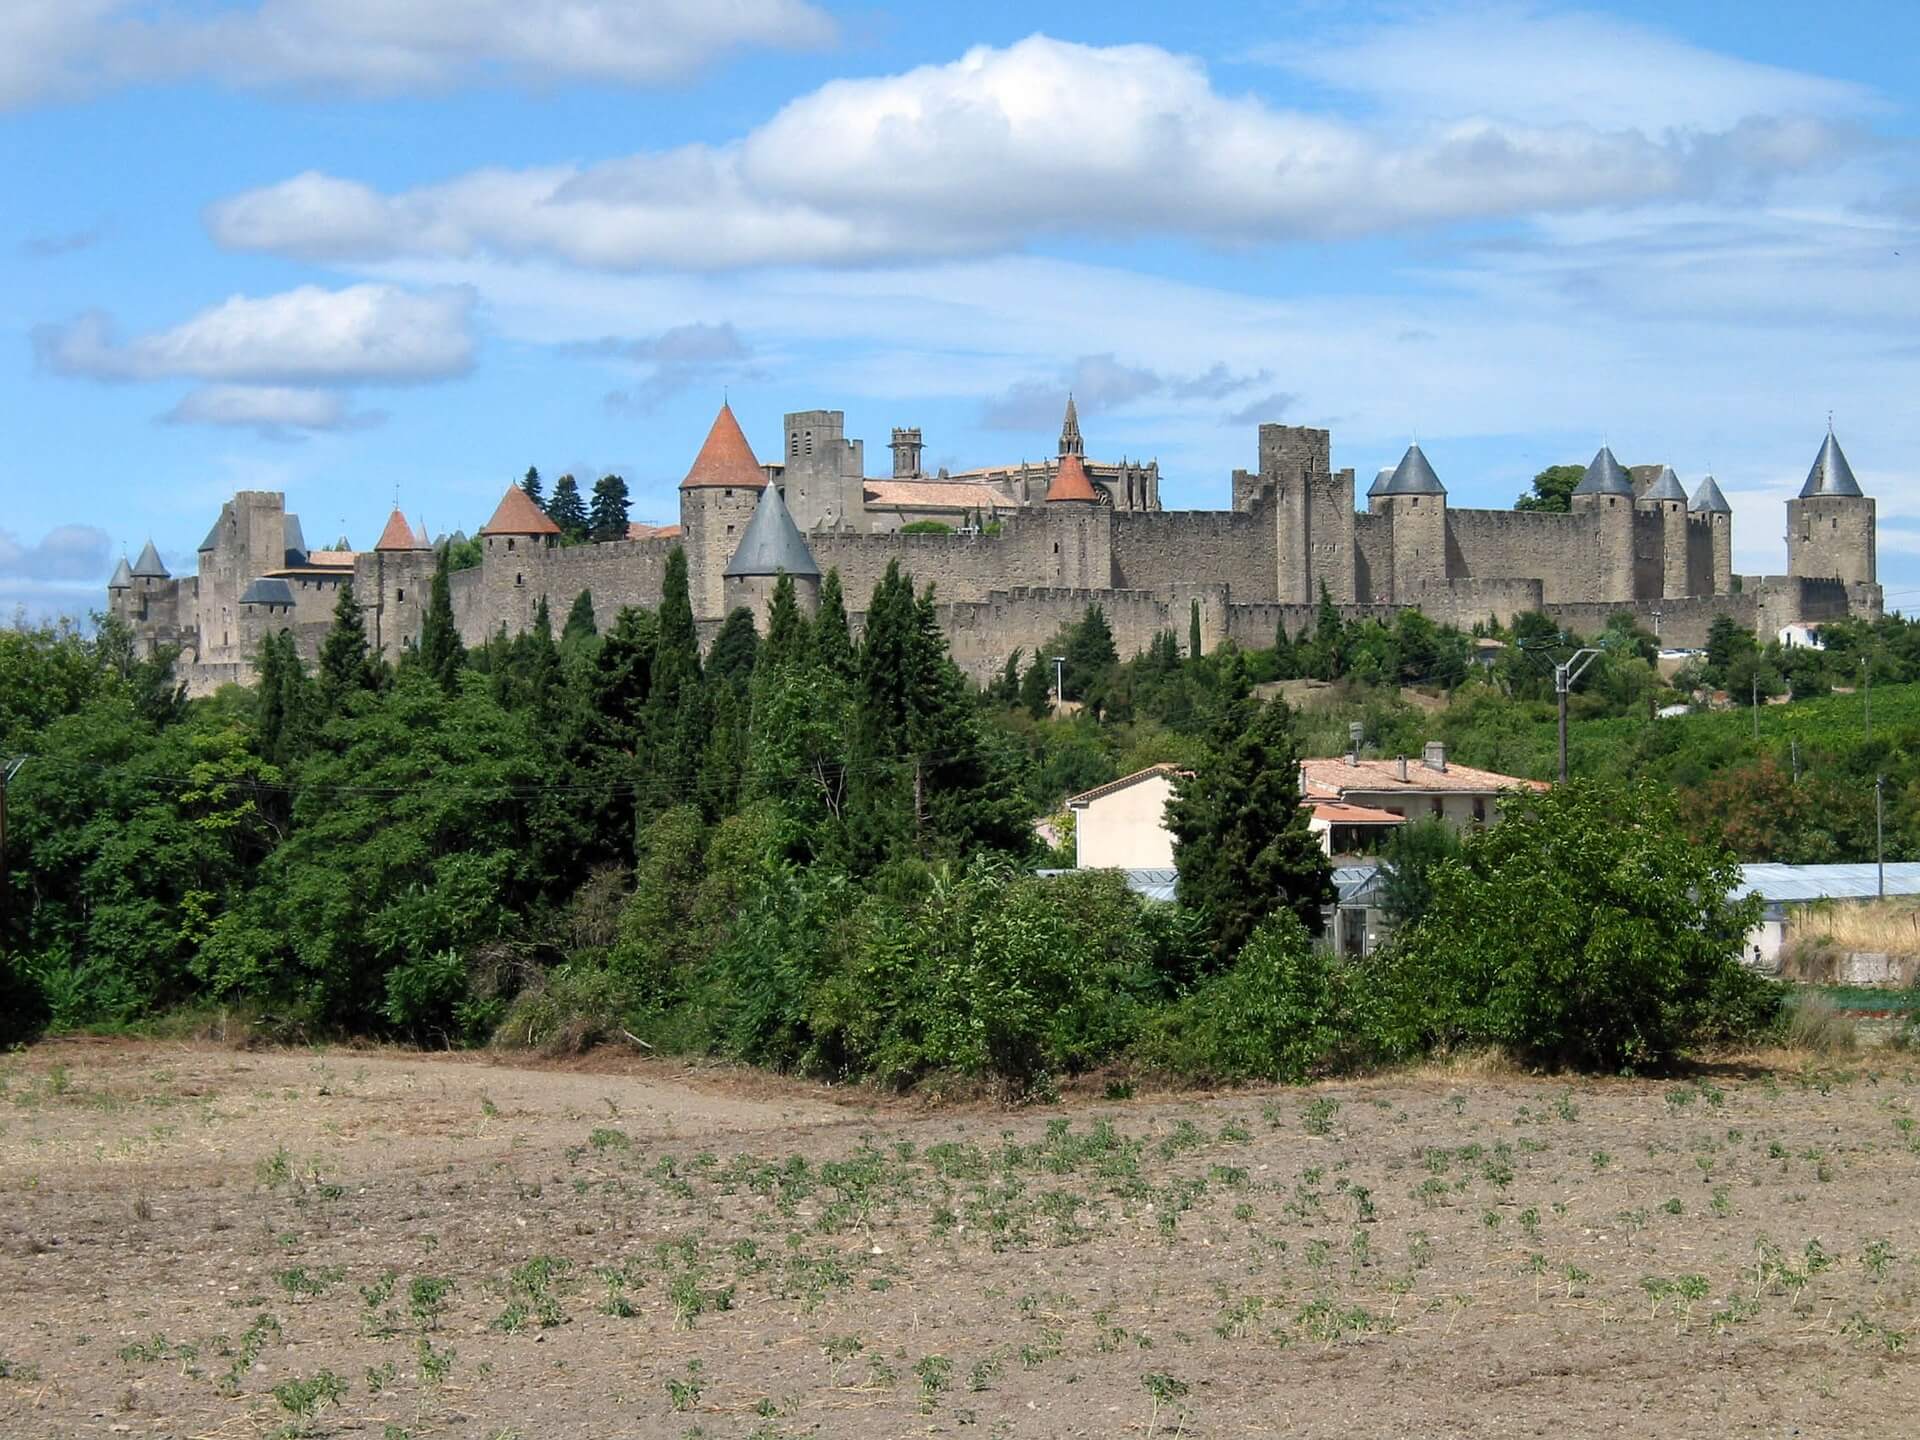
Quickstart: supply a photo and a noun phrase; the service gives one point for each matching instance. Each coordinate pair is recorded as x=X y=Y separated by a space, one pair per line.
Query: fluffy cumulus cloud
x=1006 y=145
x=55 y=48
x=66 y=552
x=305 y=336
x=1101 y=383
x=273 y=411
x=674 y=360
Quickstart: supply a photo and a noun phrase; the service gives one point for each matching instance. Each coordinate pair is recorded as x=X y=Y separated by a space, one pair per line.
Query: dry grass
x=1815 y=1027
x=1890 y=927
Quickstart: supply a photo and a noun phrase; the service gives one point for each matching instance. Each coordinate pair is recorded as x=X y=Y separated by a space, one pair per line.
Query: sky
x=356 y=250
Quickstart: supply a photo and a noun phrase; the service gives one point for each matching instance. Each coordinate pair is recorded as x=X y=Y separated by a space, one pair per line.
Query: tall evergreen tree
x=607 y=518
x=735 y=649
x=345 y=666
x=539 y=666
x=787 y=637
x=531 y=483
x=1193 y=630
x=441 y=654
x=1036 y=687
x=676 y=740
x=1240 y=834
x=581 y=627
x=567 y=509
x=284 y=701
x=832 y=638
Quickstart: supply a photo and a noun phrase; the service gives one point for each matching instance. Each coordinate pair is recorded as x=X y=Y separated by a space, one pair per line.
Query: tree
x=567 y=509
x=607 y=519
x=735 y=649
x=1193 y=631
x=787 y=638
x=441 y=653
x=535 y=491
x=1036 y=688
x=284 y=700
x=1408 y=862
x=1091 y=656
x=1240 y=834
x=832 y=639
x=345 y=666
x=580 y=628
x=1552 y=489
x=676 y=738
x=1588 y=928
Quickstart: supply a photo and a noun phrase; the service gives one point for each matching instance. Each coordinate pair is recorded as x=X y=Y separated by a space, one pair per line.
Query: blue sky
x=346 y=247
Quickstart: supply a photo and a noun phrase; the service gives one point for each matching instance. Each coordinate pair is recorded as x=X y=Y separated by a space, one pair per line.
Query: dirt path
x=202 y=1242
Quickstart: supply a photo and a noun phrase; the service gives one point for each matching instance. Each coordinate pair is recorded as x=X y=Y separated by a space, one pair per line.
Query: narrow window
x=399 y=597
x=519 y=579
x=509 y=543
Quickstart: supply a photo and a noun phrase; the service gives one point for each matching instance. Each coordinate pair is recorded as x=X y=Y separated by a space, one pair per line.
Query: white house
x=1122 y=825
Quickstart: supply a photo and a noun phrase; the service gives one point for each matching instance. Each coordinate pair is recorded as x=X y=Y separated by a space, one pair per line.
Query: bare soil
x=206 y=1242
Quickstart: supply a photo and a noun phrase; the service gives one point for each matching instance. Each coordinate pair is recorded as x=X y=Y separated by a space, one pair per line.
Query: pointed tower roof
x=1070 y=481
x=398 y=535
x=1605 y=477
x=122 y=577
x=726 y=459
x=1666 y=486
x=1379 y=485
x=1070 y=441
x=1831 y=475
x=149 y=566
x=213 y=535
x=1708 y=500
x=1414 y=476
x=772 y=542
x=517 y=515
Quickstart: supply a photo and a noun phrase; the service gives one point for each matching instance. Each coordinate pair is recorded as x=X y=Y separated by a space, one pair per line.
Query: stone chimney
x=1356 y=733
x=1403 y=768
x=1436 y=755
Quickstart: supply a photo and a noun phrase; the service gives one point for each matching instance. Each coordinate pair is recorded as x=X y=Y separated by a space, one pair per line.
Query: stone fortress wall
x=1019 y=563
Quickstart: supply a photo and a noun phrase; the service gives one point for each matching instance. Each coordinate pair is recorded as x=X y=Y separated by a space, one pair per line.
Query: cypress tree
x=735 y=649
x=607 y=519
x=1240 y=834
x=567 y=509
x=1036 y=687
x=441 y=652
x=676 y=738
x=832 y=639
x=580 y=627
x=539 y=677
x=786 y=642
x=531 y=484
x=345 y=666
x=1193 y=631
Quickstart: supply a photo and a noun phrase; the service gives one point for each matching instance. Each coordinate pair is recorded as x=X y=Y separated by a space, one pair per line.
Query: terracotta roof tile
x=518 y=515
x=637 y=531
x=936 y=495
x=1070 y=482
x=1124 y=781
x=1334 y=778
x=726 y=458
x=398 y=535
x=1336 y=812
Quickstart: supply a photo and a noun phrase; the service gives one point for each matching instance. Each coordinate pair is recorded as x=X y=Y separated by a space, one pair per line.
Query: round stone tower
x=717 y=499
x=771 y=546
x=1830 y=527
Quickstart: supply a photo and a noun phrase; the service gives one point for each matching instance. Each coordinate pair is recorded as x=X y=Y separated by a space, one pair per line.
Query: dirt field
x=206 y=1242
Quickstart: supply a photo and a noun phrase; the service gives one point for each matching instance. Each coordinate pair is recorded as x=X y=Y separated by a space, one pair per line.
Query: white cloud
x=66 y=552
x=54 y=48
x=273 y=410
x=305 y=336
x=1006 y=145
x=1538 y=67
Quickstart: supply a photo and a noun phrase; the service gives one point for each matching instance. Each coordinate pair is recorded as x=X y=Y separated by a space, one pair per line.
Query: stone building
x=1020 y=551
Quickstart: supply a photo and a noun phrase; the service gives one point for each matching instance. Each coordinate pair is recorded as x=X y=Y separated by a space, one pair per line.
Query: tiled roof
x=936 y=495
x=1070 y=482
x=327 y=559
x=637 y=531
x=1665 y=486
x=398 y=535
x=518 y=515
x=1124 y=782
x=1334 y=778
x=1337 y=812
x=726 y=458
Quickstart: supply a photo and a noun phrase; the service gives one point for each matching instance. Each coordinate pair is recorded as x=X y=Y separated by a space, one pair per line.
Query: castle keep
x=1026 y=548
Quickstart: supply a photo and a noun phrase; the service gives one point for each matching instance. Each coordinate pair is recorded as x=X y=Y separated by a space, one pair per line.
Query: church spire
x=1070 y=442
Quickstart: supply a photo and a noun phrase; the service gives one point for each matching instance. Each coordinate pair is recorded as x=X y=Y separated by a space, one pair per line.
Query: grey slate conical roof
x=1708 y=500
x=1414 y=476
x=772 y=542
x=1379 y=485
x=149 y=565
x=1605 y=477
x=122 y=577
x=213 y=535
x=1666 y=486
x=1831 y=475
x=294 y=539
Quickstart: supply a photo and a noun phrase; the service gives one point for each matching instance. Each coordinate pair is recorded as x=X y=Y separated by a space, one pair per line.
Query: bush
x=1586 y=929
x=1275 y=1015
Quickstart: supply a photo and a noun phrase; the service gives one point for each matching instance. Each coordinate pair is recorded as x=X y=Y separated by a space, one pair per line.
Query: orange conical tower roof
x=726 y=458
x=398 y=535
x=518 y=515
x=1070 y=481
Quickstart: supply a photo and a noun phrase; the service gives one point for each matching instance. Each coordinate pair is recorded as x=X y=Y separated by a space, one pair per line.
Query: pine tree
x=1240 y=834
x=787 y=639
x=535 y=490
x=1036 y=688
x=675 y=738
x=441 y=653
x=735 y=649
x=1091 y=657
x=580 y=628
x=345 y=666
x=1193 y=631
x=607 y=519
x=567 y=509
x=832 y=639
x=539 y=667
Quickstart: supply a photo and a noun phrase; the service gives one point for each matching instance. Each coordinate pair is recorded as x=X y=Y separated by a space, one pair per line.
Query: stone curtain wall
x=1560 y=550
x=1158 y=550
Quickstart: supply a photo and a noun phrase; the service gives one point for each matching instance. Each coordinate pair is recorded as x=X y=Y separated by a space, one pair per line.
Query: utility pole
x=1879 y=835
x=1565 y=672
x=1866 y=695
x=1059 y=683
x=1756 y=704
x=1793 y=745
x=8 y=769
